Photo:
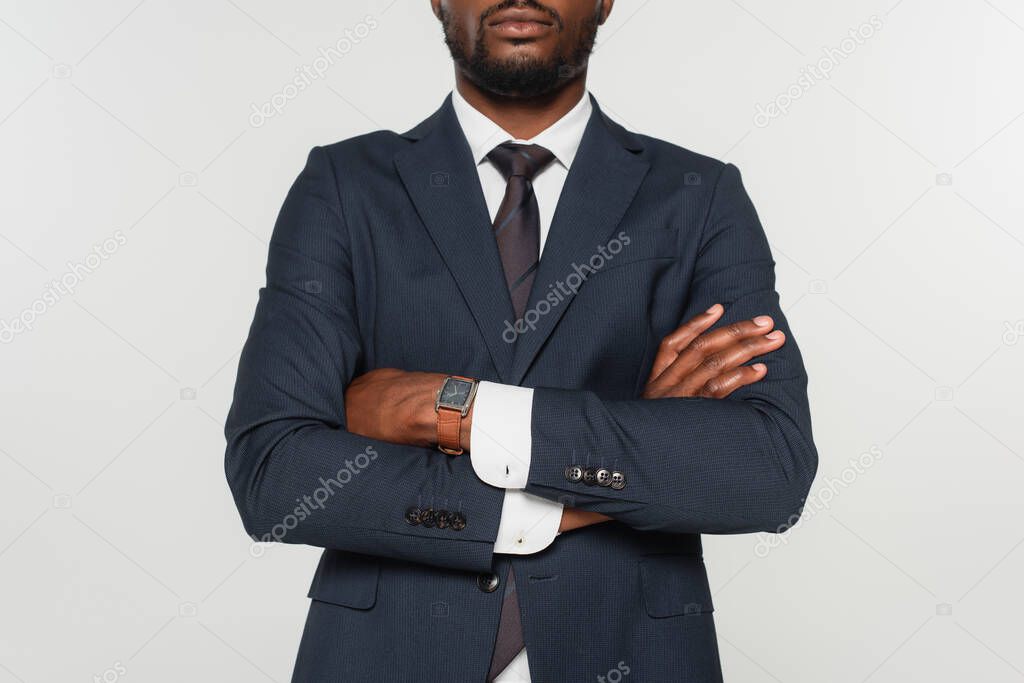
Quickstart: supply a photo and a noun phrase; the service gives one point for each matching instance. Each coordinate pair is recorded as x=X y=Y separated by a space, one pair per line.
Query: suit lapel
x=441 y=178
x=603 y=179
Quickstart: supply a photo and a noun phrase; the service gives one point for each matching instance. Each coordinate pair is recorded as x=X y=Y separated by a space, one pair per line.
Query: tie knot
x=515 y=159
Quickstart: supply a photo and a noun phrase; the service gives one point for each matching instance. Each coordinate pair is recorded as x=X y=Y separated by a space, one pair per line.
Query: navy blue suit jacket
x=383 y=256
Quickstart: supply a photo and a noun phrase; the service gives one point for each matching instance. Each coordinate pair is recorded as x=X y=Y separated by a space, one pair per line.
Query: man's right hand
x=694 y=362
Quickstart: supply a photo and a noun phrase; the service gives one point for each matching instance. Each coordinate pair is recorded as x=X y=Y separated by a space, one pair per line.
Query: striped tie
x=517 y=231
x=517 y=225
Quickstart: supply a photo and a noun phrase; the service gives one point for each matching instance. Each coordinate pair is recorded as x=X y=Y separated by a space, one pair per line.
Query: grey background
x=891 y=193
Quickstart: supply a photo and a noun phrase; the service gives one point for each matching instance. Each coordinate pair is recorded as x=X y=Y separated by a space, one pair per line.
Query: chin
x=514 y=51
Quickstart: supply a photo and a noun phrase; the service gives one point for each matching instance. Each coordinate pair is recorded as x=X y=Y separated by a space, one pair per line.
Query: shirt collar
x=562 y=138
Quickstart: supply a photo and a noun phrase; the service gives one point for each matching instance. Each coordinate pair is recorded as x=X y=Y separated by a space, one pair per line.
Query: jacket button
x=442 y=519
x=618 y=481
x=589 y=476
x=573 y=473
x=603 y=477
x=427 y=518
x=412 y=516
x=457 y=521
x=488 y=583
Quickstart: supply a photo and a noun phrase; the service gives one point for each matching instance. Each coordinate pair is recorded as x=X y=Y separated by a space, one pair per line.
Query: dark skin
x=524 y=117
x=393 y=405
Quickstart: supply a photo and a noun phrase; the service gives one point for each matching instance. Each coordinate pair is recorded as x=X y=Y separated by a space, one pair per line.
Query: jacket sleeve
x=296 y=474
x=694 y=465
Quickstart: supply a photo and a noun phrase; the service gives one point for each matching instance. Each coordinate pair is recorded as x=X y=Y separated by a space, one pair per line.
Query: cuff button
x=441 y=519
x=574 y=473
x=457 y=521
x=618 y=481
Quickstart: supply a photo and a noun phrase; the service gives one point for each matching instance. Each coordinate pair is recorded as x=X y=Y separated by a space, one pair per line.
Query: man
x=503 y=371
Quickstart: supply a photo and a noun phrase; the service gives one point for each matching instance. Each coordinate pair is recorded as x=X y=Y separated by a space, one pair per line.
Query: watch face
x=455 y=393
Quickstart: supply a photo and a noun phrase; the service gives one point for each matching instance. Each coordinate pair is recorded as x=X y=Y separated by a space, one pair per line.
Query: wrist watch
x=454 y=400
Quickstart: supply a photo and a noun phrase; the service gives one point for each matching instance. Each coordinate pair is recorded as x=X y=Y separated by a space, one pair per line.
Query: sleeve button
x=441 y=519
x=412 y=516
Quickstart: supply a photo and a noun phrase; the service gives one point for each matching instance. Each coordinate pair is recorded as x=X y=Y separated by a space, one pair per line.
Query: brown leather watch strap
x=449 y=431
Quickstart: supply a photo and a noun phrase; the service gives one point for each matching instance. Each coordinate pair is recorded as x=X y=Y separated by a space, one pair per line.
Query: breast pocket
x=630 y=247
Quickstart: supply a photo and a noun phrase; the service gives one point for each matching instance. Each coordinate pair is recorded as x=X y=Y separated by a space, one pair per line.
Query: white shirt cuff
x=501 y=449
x=501 y=435
x=528 y=523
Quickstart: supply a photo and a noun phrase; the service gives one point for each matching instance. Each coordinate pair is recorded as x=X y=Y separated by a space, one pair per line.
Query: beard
x=521 y=75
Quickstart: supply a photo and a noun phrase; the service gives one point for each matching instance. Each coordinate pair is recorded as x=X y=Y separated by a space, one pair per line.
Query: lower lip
x=521 y=29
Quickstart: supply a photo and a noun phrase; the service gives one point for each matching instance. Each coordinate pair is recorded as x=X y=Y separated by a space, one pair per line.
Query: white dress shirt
x=502 y=414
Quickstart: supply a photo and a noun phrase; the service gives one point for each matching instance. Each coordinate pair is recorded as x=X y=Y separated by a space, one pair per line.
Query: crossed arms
x=398 y=406
x=695 y=462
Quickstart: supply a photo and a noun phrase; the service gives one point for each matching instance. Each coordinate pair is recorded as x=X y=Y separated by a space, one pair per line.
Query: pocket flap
x=674 y=585
x=640 y=245
x=346 y=579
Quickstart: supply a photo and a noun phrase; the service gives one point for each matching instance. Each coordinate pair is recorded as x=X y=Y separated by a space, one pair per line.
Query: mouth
x=520 y=23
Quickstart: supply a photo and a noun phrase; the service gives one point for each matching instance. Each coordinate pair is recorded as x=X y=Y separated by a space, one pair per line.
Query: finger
x=729 y=359
x=725 y=384
x=710 y=343
x=679 y=338
x=688 y=331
